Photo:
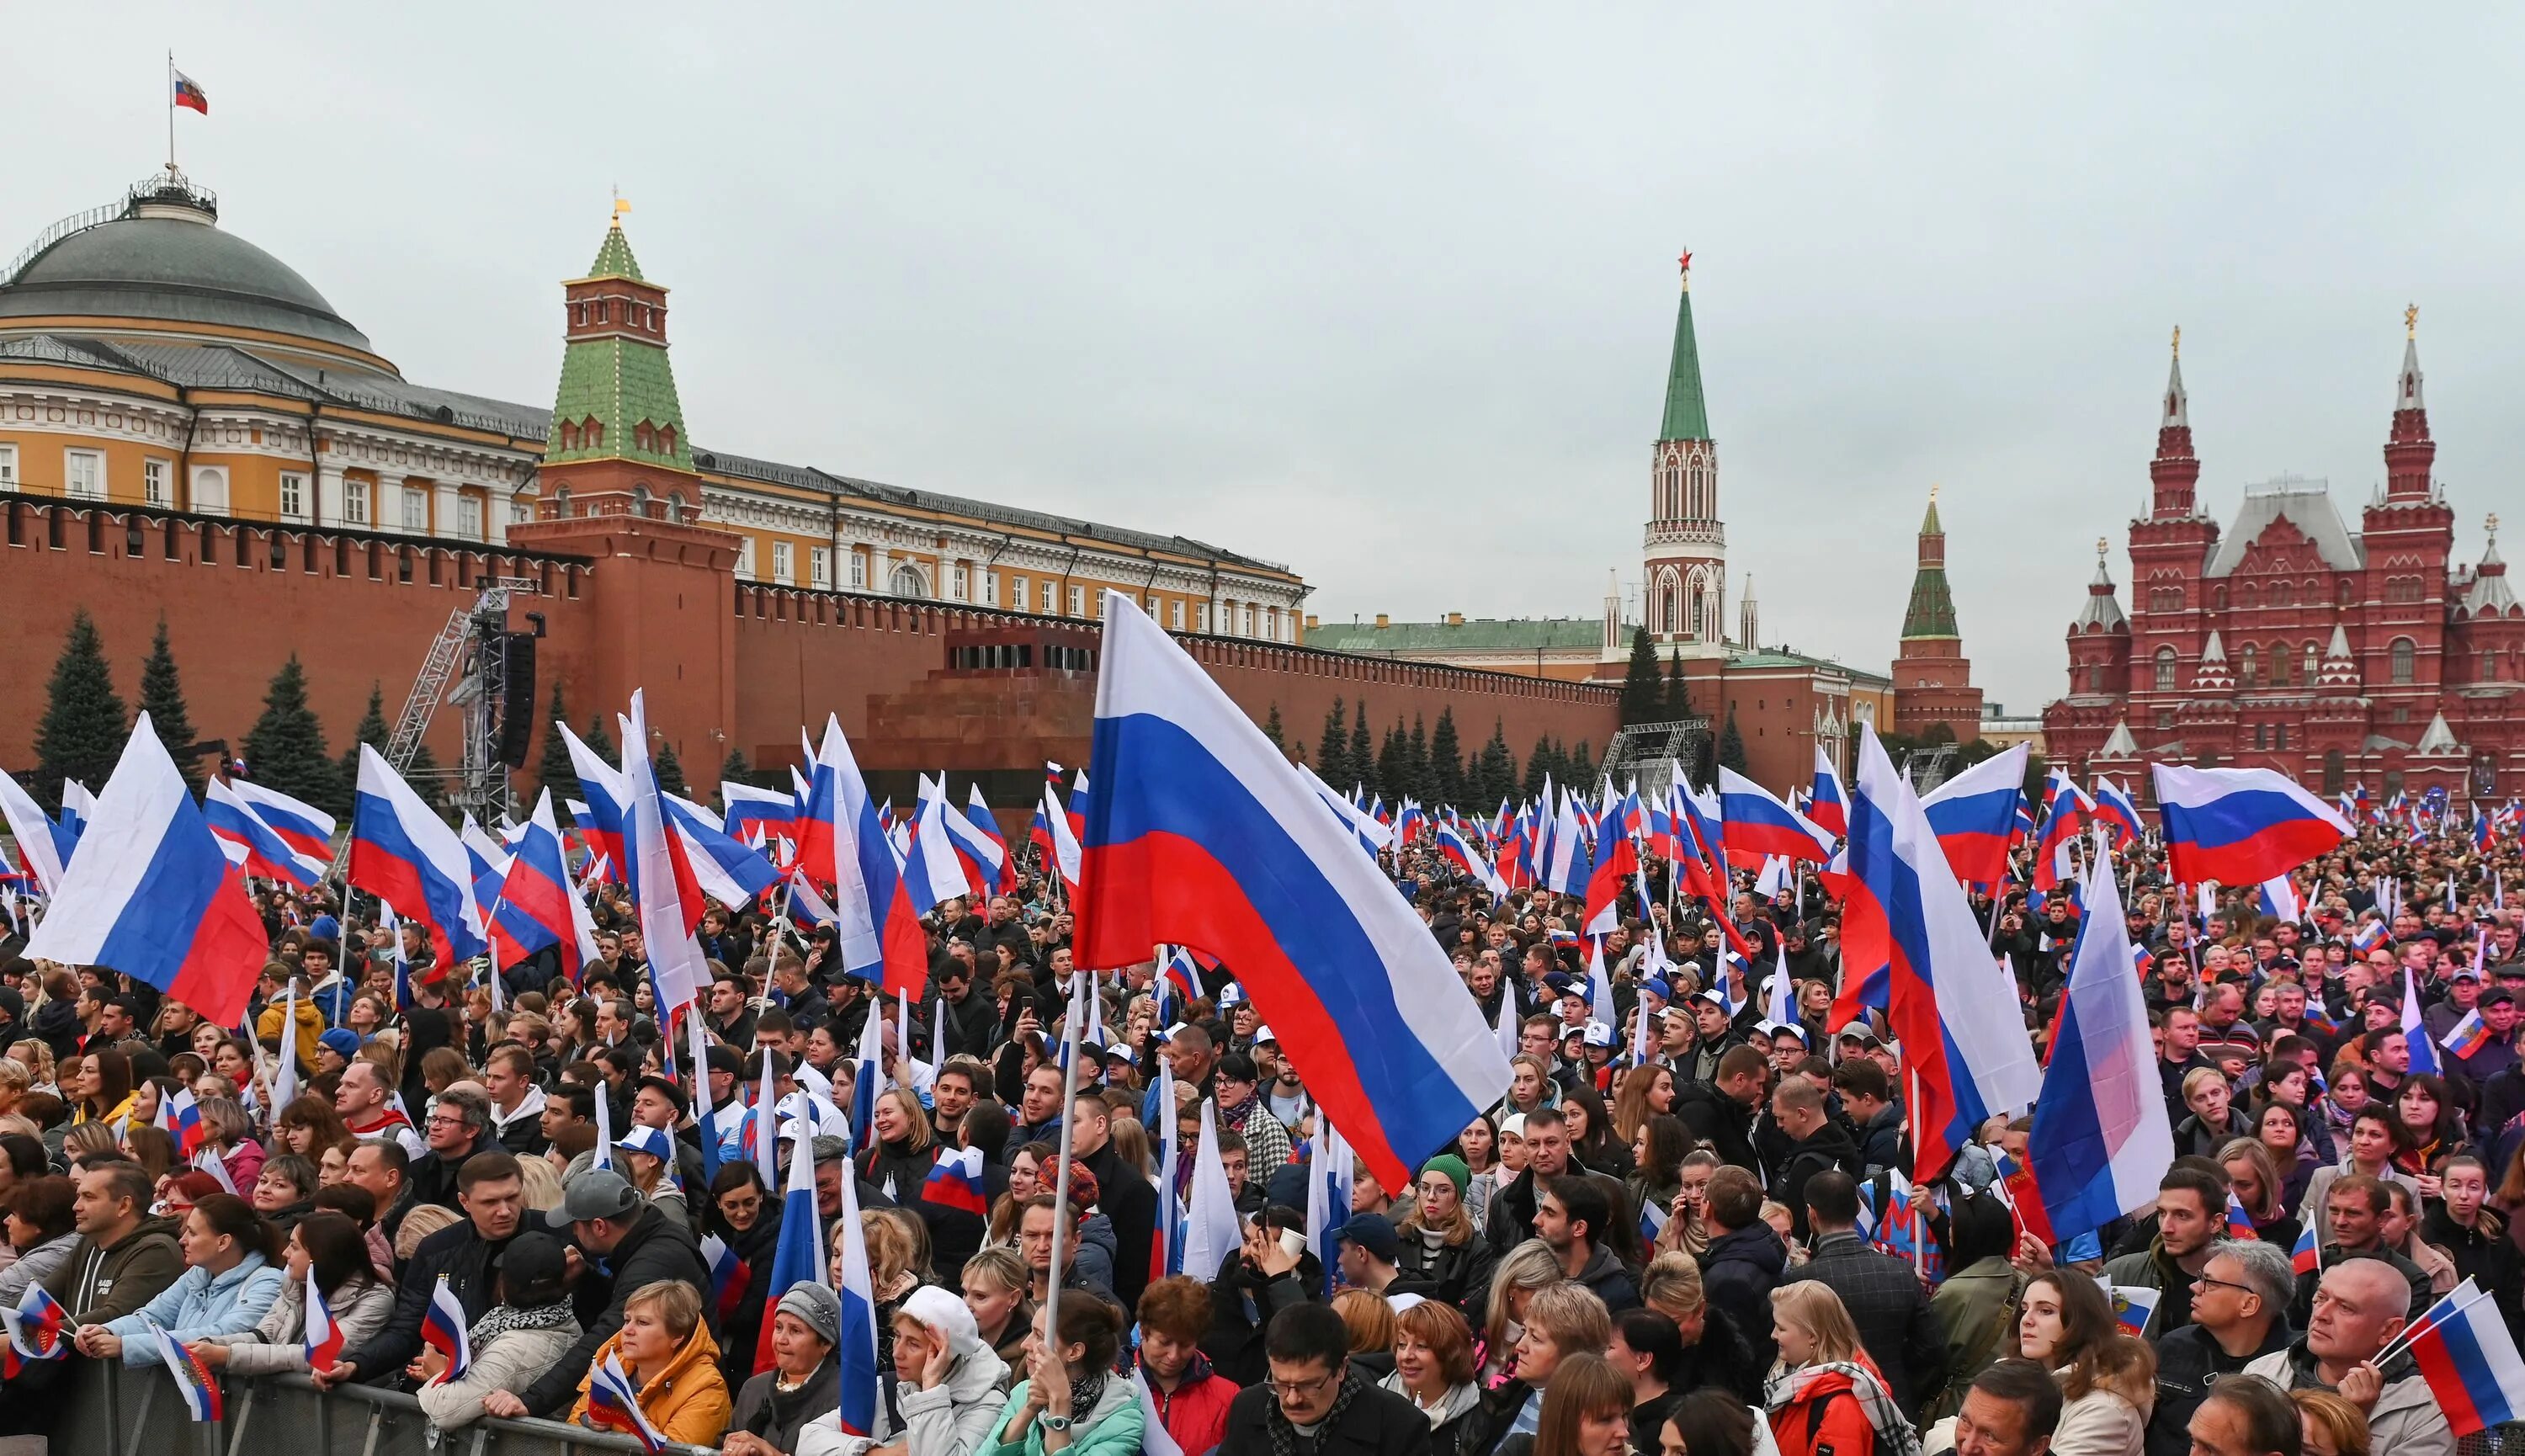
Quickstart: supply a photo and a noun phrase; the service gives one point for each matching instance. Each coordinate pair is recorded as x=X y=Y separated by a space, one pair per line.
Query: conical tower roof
x=617 y=399
x=613 y=258
x=1687 y=412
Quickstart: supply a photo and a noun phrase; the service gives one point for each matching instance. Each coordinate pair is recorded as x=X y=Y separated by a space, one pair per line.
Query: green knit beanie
x=1453 y=1167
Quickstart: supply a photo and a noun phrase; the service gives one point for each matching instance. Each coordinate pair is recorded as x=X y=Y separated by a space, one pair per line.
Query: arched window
x=1700 y=614
x=2404 y=655
x=561 y=504
x=906 y=581
x=2095 y=678
x=1666 y=608
x=2334 y=771
x=2165 y=669
x=639 y=500
x=2279 y=664
x=2249 y=667
x=2282 y=595
x=674 y=505
x=2218 y=599
x=2313 y=663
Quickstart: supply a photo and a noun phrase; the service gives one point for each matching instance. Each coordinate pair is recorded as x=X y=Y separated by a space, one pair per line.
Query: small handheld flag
x=193 y=1380
x=2307 y=1256
x=2133 y=1306
x=613 y=1403
x=956 y=1182
x=730 y=1276
x=442 y=1329
x=324 y=1339
x=2467 y=1037
x=2239 y=1222
x=2471 y=1364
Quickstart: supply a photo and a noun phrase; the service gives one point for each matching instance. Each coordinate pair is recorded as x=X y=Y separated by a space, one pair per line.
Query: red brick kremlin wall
x=632 y=602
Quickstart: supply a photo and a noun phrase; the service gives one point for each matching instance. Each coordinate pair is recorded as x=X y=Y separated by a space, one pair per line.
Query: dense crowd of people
x=1709 y=1250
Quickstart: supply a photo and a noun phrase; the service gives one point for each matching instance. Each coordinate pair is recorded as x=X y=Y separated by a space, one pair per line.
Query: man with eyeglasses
x=1314 y=1403
x=457 y=1127
x=2237 y=1300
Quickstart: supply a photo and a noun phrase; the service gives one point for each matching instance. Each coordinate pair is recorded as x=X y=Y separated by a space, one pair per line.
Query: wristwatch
x=1055 y=1423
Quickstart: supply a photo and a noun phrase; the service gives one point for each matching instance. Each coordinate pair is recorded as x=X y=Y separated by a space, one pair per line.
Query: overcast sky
x=1388 y=294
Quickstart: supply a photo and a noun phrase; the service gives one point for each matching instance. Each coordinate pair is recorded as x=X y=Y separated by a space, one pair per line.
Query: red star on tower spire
x=1686 y=260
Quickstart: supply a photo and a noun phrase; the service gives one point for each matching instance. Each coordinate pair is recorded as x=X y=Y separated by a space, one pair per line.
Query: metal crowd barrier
x=109 y=1410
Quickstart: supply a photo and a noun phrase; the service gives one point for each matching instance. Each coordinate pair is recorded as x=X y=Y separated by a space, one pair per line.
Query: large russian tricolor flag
x=1974 y=815
x=2116 y=810
x=534 y=906
x=753 y=813
x=151 y=894
x=45 y=856
x=1829 y=804
x=406 y=855
x=252 y=842
x=932 y=874
x=1964 y=1049
x=2101 y=1139
x=1758 y=826
x=606 y=800
x=2239 y=825
x=1200 y=831
x=842 y=848
x=981 y=845
x=728 y=869
x=301 y=825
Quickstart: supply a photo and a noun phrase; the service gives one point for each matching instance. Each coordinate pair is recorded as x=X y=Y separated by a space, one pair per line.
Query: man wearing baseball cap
x=613 y=1228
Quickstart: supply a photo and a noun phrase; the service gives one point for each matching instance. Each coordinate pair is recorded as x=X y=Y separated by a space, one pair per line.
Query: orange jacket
x=1826 y=1417
x=687 y=1401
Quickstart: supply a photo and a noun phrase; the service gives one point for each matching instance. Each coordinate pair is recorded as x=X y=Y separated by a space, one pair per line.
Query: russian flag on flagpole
x=932 y=875
x=980 y=849
x=752 y=812
x=2101 y=1140
x=605 y=797
x=662 y=887
x=1615 y=861
x=323 y=1338
x=2115 y=809
x=2064 y=818
x=33 y=832
x=613 y=1402
x=1828 y=805
x=444 y=1329
x=1974 y=815
x=986 y=826
x=956 y=1182
x=1200 y=832
x=844 y=850
x=153 y=897
x=407 y=856
x=2415 y=1032
x=193 y=1380
x=301 y=825
x=2239 y=825
x=253 y=843
x=726 y=868
x=1963 y=1041
x=534 y=908
x=799 y=1259
x=489 y=863
x=1758 y=826
x=2470 y=1360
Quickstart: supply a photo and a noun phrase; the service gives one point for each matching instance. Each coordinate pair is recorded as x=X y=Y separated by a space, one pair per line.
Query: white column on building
x=495 y=514
x=444 y=514
x=328 y=492
x=387 y=508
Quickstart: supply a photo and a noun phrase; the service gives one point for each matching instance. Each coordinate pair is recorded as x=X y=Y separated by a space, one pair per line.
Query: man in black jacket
x=1123 y=1194
x=973 y=1019
x=1721 y=1111
x=492 y=1194
x=1817 y=1144
x=615 y=1228
x=1316 y=1390
x=2236 y=1304
x=1881 y=1293
x=457 y=1129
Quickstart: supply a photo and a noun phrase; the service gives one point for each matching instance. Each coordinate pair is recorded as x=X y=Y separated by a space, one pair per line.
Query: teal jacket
x=1113 y=1428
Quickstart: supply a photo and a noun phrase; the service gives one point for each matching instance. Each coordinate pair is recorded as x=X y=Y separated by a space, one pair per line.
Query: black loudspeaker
x=518 y=701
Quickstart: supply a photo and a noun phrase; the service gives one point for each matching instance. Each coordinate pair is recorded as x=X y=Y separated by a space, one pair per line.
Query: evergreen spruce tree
x=1332 y=757
x=84 y=723
x=1731 y=746
x=1499 y=767
x=553 y=770
x=162 y=697
x=1538 y=765
x=1271 y=727
x=734 y=771
x=1394 y=765
x=1447 y=763
x=671 y=771
x=1678 y=691
x=1363 y=751
x=371 y=732
x=1424 y=774
x=285 y=748
x=1642 y=695
x=1582 y=768
x=600 y=739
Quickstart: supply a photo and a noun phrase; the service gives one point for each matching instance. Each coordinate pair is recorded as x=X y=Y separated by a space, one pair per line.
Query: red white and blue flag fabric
x=45 y=854
x=956 y=1182
x=613 y=1403
x=1974 y=815
x=843 y=849
x=1200 y=832
x=1963 y=1034
x=323 y=1336
x=1758 y=826
x=181 y=1117
x=799 y=1259
x=2307 y=1256
x=444 y=1329
x=2118 y=811
x=758 y=815
x=1828 y=803
x=251 y=842
x=2468 y=1357
x=605 y=800
x=2239 y=825
x=2415 y=1030
x=663 y=886
x=2064 y=818
x=988 y=868
x=727 y=869
x=536 y=893
x=301 y=825
x=1615 y=859
x=2101 y=1140
x=856 y=1354
x=730 y=1276
x=404 y=854
x=2240 y=1218
x=38 y=1328
x=194 y=1381
x=153 y=897
x=933 y=874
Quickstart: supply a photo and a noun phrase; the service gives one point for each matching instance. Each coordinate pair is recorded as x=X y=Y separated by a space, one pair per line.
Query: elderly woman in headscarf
x=949 y=1386
x=804 y=1383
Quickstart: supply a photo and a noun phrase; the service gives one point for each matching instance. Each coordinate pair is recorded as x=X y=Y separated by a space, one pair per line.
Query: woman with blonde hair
x=1687 y=1229
x=2330 y=1423
x=1528 y=1267
x=1586 y=1412
x=902 y=1146
x=2255 y=1177
x=897 y=1256
x=673 y=1364
x=1647 y=1091
x=1826 y=1393
x=2107 y=1379
x=1369 y=1318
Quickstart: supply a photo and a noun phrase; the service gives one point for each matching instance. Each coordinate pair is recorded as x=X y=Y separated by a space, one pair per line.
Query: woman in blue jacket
x=231 y=1276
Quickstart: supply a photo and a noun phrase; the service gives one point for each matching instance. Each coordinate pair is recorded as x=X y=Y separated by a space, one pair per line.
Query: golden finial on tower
x=2490 y=524
x=1933 y=493
x=2104 y=547
x=2178 y=341
x=619 y=207
x=2411 y=321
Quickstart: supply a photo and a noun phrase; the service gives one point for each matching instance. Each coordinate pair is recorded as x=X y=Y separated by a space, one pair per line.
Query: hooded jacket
x=1827 y=1147
x=98 y=1283
x=200 y=1305
x=687 y=1401
x=656 y=1248
x=1114 y=1427
x=1738 y=1273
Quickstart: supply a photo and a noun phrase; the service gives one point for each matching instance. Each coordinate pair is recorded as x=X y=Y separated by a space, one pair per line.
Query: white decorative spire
x=2178 y=406
x=2121 y=744
x=2439 y=739
x=2406 y=387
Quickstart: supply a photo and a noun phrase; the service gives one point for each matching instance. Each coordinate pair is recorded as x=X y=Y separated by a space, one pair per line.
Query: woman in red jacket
x=1189 y=1397
x=1826 y=1398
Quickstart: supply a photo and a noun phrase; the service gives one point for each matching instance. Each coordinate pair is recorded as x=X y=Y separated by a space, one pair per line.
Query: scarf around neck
x=1788 y=1387
x=1284 y=1436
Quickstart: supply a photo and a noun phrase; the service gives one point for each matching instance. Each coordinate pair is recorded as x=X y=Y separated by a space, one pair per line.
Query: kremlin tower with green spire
x=1684 y=586
x=1932 y=676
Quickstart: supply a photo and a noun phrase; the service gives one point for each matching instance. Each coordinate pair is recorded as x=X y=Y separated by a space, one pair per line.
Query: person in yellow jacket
x=311 y=1022
x=672 y=1362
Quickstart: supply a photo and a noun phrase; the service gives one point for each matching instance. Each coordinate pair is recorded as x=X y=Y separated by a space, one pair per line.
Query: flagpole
x=1070 y=1026
x=171 y=111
